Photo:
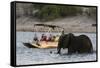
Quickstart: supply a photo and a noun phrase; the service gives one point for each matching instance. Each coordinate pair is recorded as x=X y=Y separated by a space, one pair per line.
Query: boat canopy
x=46 y=25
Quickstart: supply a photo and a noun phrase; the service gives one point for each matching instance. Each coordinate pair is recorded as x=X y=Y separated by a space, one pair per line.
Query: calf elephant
x=79 y=44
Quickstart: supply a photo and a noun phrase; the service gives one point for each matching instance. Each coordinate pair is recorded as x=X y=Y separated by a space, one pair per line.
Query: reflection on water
x=26 y=56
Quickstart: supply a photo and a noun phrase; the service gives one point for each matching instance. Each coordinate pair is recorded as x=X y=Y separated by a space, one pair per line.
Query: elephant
x=74 y=44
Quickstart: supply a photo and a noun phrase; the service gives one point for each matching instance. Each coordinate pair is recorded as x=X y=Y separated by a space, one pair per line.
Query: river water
x=27 y=56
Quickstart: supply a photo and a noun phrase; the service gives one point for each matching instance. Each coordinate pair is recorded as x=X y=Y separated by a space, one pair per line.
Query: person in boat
x=43 y=38
x=35 y=40
x=50 y=38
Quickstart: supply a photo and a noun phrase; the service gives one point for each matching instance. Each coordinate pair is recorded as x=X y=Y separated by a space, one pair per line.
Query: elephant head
x=64 y=41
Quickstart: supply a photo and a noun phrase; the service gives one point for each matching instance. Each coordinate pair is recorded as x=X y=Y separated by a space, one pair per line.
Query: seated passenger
x=50 y=38
x=35 y=38
x=43 y=38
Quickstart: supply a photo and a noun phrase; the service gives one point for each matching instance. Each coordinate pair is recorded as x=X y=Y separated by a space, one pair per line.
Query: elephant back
x=86 y=43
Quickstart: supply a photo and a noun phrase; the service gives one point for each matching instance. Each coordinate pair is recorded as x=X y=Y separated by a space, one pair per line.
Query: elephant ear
x=69 y=38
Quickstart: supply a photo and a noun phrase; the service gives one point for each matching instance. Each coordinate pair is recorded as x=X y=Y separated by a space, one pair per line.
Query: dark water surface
x=26 y=56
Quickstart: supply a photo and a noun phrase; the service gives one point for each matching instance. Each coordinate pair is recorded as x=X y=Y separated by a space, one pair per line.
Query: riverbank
x=70 y=24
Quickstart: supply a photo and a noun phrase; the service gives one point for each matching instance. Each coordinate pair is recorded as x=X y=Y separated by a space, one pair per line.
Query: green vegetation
x=44 y=12
x=50 y=12
x=92 y=13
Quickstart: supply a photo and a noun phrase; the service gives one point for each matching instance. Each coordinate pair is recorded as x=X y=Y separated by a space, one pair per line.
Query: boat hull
x=29 y=45
x=42 y=45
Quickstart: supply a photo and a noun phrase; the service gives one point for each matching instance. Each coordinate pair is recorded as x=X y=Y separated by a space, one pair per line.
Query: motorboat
x=44 y=43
